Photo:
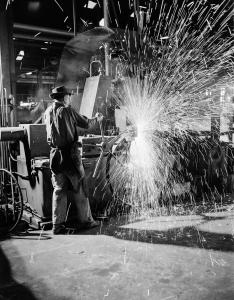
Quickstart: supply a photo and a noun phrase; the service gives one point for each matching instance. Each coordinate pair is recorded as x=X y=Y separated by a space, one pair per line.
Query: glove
x=99 y=116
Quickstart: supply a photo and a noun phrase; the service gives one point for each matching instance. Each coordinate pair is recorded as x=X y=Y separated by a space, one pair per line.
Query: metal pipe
x=105 y=13
x=41 y=29
x=21 y=43
x=137 y=13
x=12 y=133
x=74 y=16
x=106 y=24
x=38 y=38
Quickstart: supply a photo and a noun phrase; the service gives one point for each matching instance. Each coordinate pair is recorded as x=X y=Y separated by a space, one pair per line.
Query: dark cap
x=59 y=92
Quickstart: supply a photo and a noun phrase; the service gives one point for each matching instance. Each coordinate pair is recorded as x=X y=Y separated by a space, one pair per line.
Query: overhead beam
x=41 y=29
x=106 y=24
x=36 y=44
x=74 y=17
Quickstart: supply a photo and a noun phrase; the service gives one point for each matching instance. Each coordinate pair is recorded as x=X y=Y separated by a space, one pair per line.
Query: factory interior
x=148 y=86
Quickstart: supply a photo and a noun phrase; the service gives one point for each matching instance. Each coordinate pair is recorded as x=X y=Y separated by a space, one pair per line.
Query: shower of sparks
x=178 y=68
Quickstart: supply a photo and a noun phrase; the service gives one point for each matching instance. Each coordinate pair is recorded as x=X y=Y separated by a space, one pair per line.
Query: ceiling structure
x=41 y=28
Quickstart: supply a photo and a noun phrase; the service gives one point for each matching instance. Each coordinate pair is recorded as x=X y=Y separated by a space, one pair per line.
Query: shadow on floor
x=188 y=236
x=9 y=288
x=27 y=235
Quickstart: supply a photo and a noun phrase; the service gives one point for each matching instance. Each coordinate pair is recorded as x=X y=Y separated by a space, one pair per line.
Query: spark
x=8 y=3
x=58 y=5
x=41 y=232
x=37 y=34
x=209 y=24
x=98 y=3
x=32 y=260
x=119 y=7
x=125 y=255
x=169 y=98
x=84 y=22
x=107 y=293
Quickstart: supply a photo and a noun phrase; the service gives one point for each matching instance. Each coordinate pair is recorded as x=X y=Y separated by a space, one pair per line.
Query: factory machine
x=32 y=171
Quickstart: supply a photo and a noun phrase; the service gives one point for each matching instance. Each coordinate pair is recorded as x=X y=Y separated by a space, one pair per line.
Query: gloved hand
x=99 y=116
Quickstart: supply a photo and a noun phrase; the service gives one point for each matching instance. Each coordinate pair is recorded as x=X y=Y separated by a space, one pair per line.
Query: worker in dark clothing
x=65 y=159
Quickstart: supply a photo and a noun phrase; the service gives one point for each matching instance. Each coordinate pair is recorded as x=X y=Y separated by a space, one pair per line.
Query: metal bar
x=74 y=16
x=6 y=106
x=41 y=29
x=137 y=12
x=106 y=24
x=38 y=38
x=21 y=43
x=12 y=133
x=34 y=80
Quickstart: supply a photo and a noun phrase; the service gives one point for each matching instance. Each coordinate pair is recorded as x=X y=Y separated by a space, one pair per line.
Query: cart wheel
x=116 y=165
x=11 y=201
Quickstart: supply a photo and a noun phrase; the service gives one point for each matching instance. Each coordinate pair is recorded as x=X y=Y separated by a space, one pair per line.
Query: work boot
x=59 y=229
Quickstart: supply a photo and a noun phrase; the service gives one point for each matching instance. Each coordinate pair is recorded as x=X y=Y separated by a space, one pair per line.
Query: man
x=65 y=159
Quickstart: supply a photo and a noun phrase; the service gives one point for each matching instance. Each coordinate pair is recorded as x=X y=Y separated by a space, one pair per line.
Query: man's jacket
x=61 y=126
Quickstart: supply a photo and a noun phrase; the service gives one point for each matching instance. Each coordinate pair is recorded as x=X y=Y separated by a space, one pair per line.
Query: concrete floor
x=164 y=258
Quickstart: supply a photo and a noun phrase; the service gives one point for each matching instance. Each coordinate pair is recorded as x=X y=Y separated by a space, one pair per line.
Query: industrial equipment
x=11 y=201
x=33 y=176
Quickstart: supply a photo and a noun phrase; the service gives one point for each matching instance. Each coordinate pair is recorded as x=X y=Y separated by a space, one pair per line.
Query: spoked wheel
x=116 y=169
x=11 y=201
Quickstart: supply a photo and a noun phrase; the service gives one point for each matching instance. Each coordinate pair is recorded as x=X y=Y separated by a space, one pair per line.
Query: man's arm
x=85 y=122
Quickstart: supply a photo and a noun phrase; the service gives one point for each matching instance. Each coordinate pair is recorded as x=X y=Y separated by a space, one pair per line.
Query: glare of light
x=91 y=4
x=42 y=48
x=29 y=73
x=19 y=57
x=132 y=15
x=21 y=53
x=33 y=6
x=101 y=23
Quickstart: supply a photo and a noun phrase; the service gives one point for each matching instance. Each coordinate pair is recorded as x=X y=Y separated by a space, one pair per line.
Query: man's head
x=59 y=93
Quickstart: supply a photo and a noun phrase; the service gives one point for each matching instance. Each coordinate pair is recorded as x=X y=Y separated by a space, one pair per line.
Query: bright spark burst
x=178 y=68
